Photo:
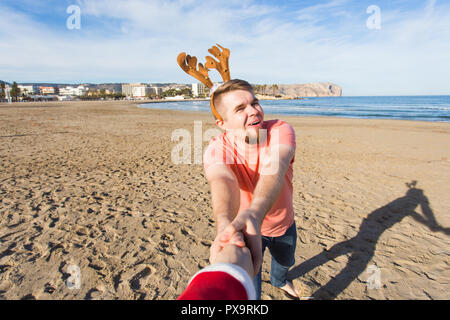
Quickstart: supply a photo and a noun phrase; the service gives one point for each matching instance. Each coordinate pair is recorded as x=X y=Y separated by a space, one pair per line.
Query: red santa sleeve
x=220 y=281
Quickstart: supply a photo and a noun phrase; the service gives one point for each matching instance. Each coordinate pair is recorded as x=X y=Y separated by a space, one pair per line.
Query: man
x=249 y=169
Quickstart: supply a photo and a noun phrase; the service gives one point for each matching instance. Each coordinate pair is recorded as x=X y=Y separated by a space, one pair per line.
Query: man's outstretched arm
x=271 y=181
x=225 y=195
x=265 y=195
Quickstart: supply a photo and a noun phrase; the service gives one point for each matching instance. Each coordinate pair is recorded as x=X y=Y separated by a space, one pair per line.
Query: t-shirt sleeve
x=283 y=134
x=216 y=154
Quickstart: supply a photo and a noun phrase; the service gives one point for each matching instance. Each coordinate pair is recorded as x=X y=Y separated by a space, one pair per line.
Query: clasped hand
x=244 y=231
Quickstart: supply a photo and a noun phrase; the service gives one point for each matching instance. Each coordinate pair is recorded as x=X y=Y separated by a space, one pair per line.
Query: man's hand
x=217 y=246
x=235 y=255
x=249 y=225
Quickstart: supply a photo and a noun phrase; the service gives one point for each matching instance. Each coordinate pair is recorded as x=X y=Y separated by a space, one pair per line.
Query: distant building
x=27 y=89
x=198 y=89
x=140 y=91
x=67 y=91
x=135 y=90
x=64 y=98
x=8 y=93
x=47 y=90
x=156 y=90
x=7 y=89
x=71 y=91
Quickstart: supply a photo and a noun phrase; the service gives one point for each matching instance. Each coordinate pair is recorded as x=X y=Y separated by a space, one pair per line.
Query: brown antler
x=221 y=65
x=189 y=65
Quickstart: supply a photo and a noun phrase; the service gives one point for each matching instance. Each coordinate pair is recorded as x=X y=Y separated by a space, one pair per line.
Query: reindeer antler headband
x=189 y=65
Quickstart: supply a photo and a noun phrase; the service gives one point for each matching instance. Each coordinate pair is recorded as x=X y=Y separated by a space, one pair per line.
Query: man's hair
x=229 y=86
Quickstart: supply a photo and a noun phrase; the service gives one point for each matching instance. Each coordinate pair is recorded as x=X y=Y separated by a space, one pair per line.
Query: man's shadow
x=362 y=246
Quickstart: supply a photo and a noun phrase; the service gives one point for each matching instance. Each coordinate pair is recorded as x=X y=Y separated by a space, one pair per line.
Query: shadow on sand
x=362 y=247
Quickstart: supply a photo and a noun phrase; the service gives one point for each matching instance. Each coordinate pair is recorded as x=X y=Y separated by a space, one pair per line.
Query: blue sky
x=271 y=41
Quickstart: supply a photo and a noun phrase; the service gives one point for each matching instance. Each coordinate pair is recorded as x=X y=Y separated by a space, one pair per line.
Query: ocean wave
x=426 y=108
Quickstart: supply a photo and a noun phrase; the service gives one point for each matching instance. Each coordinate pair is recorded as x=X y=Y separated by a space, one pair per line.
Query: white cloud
x=409 y=55
x=318 y=12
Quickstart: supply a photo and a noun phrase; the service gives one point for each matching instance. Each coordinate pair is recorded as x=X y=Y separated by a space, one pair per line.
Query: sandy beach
x=91 y=185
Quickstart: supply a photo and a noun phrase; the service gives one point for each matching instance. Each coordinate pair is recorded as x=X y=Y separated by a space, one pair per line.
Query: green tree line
x=15 y=91
x=186 y=92
x=101 y=94
x=265 y=89
x=2 y=92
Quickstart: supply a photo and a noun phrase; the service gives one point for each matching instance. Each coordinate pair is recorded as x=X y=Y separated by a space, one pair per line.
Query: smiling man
x=249 y=169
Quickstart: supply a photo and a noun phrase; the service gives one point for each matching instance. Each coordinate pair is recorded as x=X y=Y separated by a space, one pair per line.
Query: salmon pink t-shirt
x=246 y=166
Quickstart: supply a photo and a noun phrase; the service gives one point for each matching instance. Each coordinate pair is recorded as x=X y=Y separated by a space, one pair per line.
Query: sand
x=92 y=206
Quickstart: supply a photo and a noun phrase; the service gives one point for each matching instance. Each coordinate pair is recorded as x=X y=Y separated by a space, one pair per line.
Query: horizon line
x=180 y=83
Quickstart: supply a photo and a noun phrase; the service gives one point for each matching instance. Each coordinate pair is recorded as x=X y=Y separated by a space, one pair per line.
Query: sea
x=418 y=108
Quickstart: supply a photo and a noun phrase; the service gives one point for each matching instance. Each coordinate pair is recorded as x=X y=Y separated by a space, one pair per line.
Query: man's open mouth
x=254 y=123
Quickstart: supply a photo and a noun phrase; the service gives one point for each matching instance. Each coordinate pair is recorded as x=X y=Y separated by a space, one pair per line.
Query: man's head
x=241 y=112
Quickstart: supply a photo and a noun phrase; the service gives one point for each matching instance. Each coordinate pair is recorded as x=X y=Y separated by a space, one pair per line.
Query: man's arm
x=270 y=185
x=224 y=194
x=265 y=195
x=270 y=182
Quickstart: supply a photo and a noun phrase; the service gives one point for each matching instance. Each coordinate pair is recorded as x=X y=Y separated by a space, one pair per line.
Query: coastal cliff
x=317 y=89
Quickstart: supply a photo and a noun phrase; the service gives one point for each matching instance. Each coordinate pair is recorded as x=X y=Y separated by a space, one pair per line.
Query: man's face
x=242 y=114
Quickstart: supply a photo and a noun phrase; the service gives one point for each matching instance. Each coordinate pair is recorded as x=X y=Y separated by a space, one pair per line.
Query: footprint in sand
x=93 y=294
x=206 y=243
x=167 y=245
x=29 y=296
x=49 y=288
x=135 y=282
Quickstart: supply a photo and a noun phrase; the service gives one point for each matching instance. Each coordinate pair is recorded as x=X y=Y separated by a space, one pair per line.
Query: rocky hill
x=319 y=89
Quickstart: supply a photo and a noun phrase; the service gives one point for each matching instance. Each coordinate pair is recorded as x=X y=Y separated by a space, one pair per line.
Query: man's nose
x=251 y=110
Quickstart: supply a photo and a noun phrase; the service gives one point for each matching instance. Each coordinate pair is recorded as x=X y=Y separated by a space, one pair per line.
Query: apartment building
x=135 y=90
